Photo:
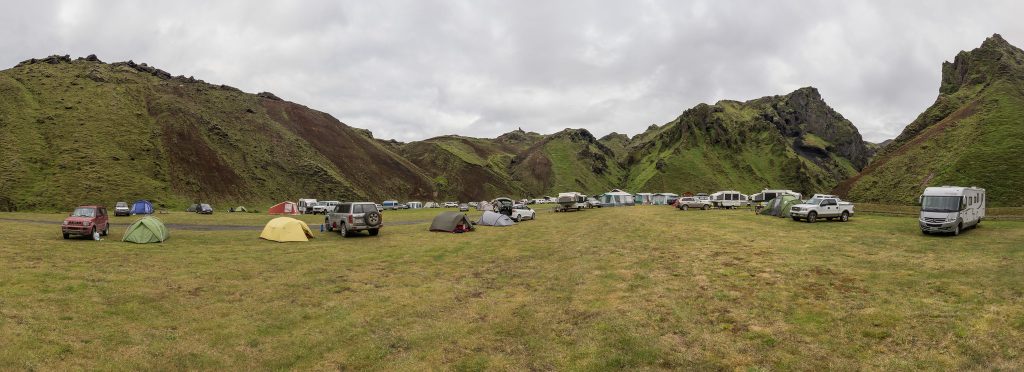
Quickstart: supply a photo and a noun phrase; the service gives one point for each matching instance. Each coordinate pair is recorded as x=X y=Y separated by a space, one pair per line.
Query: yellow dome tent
x=286 y=229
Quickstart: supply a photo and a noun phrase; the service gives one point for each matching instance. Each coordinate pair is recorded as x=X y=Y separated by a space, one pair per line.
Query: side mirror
x=920 y=199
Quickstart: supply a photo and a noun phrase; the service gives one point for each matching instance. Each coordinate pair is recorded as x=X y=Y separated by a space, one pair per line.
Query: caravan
x=664 y=198
x=616 y=198
x=951 y=208
x=728 y=199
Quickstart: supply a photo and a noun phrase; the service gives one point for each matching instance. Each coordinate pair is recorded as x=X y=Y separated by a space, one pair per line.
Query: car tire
x=518 y=218
x=343 y=230
x=925 y=232
x=374 y=232
x=845 y=217
x=686 y=207
x=811 y=217
x=372 y=219
x=704 y=207
x=956 y=231
x=106 y=230
x=66 y=235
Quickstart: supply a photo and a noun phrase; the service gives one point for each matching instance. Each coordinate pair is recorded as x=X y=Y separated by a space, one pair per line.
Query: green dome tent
x=780 y=206
x=146 y=230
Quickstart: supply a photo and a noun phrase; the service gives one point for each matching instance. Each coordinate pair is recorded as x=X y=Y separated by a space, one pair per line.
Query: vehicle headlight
x=86 y=223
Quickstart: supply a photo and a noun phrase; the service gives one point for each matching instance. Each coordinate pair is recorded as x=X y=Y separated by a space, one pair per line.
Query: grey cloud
x=416 y=69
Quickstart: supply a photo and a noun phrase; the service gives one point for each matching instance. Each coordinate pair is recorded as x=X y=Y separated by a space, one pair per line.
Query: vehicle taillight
x=350 y=219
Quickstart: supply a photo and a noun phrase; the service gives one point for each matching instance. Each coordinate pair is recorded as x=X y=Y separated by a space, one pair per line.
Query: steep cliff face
x=794 y=141
x=972 y=135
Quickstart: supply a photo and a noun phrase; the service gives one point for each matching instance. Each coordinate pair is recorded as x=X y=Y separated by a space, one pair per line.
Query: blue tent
x=142 y=207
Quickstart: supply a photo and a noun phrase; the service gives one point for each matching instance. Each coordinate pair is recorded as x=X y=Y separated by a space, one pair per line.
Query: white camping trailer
x=951 y=208
x=769 y=194
x=728 y=199
x=571 y=201
x=414 y=205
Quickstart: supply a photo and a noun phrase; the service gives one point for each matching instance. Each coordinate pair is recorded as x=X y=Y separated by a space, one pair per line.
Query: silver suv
x=687 y=202
x=347 y=218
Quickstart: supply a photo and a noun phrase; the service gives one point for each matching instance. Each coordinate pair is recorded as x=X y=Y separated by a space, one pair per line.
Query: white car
x=522 y=212
x=451 y=205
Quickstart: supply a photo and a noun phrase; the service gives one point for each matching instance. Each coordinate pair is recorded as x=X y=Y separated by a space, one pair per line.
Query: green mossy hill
x=466 y=168
x=973 y=135
x=570 y=160
x=795 y=141
x=517 y=163
x=83 y=131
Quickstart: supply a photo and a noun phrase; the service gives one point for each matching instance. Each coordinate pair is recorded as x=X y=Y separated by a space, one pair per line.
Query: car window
x=343 y=208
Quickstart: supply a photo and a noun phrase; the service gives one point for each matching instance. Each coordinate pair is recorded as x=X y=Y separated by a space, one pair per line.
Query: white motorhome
x=769 y=194
x=306 y=206
x=728 y=199
x=951 y=208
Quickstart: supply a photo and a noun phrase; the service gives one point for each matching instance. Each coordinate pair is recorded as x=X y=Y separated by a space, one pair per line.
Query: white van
x=951 y=208
x=728 y=199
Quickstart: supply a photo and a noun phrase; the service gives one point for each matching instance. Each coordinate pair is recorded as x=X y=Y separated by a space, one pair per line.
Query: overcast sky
x=415 y=69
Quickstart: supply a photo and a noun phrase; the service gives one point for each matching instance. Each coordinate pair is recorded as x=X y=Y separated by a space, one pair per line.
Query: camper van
x=768 y=194
x=728 y=199
x=951 y=208
x=306 y=206
x=390 y=204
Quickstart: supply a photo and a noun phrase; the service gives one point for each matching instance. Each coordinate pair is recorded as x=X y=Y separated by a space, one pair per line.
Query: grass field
x=633 y=288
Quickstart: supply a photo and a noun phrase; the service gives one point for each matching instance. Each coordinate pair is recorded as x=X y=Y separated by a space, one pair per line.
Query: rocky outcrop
x=269 y=96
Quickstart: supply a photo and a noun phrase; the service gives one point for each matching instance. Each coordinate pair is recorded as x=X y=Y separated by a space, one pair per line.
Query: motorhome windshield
x=940 y=203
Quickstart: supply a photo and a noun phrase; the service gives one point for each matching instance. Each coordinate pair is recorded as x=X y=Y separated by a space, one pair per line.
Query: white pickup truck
x=827 y=208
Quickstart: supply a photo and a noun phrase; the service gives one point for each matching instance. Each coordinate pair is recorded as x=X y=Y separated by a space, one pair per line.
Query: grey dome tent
x=495 y=219
x=449 y=221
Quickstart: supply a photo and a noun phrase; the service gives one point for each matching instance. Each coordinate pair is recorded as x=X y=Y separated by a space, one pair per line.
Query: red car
x=86 y=220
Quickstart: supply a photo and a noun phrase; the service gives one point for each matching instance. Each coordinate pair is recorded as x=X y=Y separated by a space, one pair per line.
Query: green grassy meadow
x=615 y=288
